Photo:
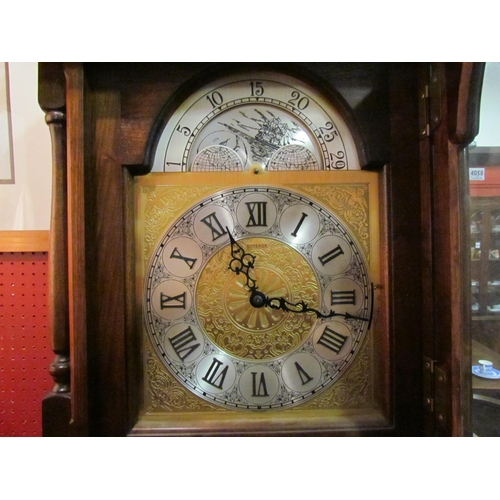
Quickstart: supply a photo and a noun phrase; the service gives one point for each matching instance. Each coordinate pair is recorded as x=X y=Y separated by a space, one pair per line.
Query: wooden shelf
x=24 y=241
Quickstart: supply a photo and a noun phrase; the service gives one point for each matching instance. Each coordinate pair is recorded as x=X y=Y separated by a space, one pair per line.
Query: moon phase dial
x=263 y=118
x=239 y=354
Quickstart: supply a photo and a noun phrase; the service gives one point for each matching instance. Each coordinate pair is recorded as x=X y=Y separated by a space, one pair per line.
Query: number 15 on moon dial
x=257 y=298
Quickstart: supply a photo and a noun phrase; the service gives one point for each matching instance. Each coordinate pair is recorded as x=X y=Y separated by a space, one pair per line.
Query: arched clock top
x=230 y=120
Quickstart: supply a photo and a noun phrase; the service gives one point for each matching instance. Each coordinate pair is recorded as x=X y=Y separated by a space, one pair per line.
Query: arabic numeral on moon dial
x=328 y=132
x=257 y=89
x=337 y=161
x=215 y=99
x=298 y=100
x=184 y=130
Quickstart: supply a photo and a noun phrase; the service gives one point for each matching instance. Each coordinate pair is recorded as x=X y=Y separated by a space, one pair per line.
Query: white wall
x=26 y=204
x=489 y=118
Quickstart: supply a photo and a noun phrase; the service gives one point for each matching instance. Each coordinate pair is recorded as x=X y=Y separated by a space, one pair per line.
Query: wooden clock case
x=105 y=119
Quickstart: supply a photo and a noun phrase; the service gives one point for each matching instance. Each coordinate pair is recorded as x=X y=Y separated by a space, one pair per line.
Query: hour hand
x=242 y=262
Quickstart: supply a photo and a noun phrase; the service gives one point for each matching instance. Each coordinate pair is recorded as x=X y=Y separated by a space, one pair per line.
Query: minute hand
x=258 y=299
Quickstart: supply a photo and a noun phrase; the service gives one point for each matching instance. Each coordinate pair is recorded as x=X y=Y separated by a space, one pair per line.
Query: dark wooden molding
x=448 y=250
x=57 y=404
x=465 y=82
x=77 y=104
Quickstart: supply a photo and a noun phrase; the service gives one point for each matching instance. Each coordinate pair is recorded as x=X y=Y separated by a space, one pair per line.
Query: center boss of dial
x=229 y=319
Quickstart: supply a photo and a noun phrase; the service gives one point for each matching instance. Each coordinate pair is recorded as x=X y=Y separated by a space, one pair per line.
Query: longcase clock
x=243 y=245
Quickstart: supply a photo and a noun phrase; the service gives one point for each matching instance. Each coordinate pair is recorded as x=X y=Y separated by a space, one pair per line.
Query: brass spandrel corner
x=165 y=394
x=352 y=391
x=162 y=206
x=349 y=201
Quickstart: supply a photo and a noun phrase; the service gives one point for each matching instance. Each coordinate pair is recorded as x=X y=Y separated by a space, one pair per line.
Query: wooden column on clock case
x=61 y=90
x=404 y=249
x=57 y=404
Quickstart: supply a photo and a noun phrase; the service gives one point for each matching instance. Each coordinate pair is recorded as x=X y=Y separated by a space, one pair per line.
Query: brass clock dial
x=306 y=262
x=265 y=118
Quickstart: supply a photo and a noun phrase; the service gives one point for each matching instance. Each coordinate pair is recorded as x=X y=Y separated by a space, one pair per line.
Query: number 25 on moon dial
x=257 y=298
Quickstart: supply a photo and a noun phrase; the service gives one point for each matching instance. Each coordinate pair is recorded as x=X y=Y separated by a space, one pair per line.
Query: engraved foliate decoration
x=160 y=205
x=249 y=332
x=229 y=351
x=350 y=202
x=265 y=118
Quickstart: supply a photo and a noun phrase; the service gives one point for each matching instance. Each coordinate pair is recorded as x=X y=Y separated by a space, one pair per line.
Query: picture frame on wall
x=6 y=157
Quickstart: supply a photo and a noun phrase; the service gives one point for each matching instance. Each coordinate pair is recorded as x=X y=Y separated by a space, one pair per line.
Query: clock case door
x=105 y=119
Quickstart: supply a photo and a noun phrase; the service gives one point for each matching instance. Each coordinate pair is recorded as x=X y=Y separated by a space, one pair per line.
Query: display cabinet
x=484 y=163
x=485 y=256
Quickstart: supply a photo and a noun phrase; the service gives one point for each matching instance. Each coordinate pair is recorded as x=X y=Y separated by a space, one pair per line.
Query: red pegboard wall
x=25 y=346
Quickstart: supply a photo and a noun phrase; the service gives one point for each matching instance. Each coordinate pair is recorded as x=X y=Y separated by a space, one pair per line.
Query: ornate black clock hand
x=242 y=262
x=302 y=307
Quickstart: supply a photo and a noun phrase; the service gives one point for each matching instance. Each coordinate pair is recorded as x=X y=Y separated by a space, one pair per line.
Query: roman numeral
x=343 y=297
x=215 y=226
x=258 y=213
x=184 y=343
x=332 y=254
x=177 y=301
x=260 y=389
x=332 y=340
x=304 y=376
x=188 y=260
x=215 y=377
x=296 y=230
